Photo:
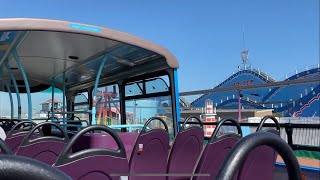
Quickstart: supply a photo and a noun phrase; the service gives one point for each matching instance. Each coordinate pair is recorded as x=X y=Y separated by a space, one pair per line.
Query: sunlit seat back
x=260 y=163
x=185 y=150
x=94 y=163
x=150 y=152
x=45 y=148
x=215 y=151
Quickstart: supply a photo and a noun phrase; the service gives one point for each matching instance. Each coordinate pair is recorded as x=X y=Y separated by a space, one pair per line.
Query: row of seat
x=208 y=160
x=109 y=155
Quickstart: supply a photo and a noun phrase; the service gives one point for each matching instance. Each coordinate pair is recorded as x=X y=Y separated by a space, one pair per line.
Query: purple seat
x=15 y=137
x=150 y=152
x=128 y=139
x=260 y=163
x=95 y=163
x=93 y=140
x=185 y=150
x=215 y=151
x=45 y=148
x=4 y=149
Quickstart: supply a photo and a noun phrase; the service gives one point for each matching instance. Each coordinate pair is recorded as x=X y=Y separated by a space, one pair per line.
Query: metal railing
x=300 y=136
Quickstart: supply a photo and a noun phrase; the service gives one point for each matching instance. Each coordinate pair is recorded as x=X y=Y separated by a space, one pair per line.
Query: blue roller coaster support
x=26 y=82
x=15 y=88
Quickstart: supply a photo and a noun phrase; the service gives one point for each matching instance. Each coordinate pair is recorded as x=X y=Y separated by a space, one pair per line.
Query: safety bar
x=288 y=129
x=73 y=112
x=129 y=126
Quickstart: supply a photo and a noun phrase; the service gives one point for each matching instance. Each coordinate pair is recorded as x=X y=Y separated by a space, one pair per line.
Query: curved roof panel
x=51 y=48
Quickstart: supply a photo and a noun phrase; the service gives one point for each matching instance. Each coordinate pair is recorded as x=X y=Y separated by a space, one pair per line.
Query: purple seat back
x=94 y=140
x=15 y=135
x=4 y=149
x=98 y=162
x=96 y=167
x=153 y=157
x=45 y=149
x=14 y=141
x=213 y=156
x=185 y=151
x=150 y=152
x=260 y=162
x=128 y=139
x=216 y=150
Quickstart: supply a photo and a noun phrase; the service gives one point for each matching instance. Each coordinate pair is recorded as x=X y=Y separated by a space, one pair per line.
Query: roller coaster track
x=317 y=97
x=257 y=86
x=262 y=76
x=302 y=74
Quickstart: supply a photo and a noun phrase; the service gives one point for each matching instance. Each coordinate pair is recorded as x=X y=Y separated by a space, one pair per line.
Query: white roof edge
x=21 y=24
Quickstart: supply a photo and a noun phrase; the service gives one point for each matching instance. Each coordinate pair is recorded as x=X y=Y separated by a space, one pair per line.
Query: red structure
x=209 y=116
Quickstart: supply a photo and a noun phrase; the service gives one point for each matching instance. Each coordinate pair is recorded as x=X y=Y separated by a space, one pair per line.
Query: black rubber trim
x=276 y=132
x=189 y=118
x=222 y=122
x=242 y=148
x=50 y=118
x=227 y=135
x=65 y=158
x=152 y=119
x=4 y=148
x=27 y=141
x=75 y=117
x=18 y=167
x=264 y=119
x=28 y=123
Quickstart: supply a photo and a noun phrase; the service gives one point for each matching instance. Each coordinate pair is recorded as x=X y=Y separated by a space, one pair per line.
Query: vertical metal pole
x=64 y=100
x=239 y=106
x=25 y=79
x=11 y=101
x=122 y=96
x=15 y=88
x=94 y=100
x=9 y=91
x=177 y=102
x=289 y=132
x=52 y=99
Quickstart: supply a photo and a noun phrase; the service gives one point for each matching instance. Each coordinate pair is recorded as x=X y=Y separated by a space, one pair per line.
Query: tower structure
x=209 y=116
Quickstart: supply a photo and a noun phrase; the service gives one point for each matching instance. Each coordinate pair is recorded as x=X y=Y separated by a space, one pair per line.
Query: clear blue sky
x=206 y=36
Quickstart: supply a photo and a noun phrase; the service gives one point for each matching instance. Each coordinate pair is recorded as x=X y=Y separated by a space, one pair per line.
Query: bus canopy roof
x=48 y=49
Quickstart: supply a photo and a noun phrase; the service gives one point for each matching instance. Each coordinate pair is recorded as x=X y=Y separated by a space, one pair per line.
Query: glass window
x=134 y=89
x=138 y=111
x=108 y=105
x=42 y=104
x=81 y=103
x=148 y=86
x=157 y=85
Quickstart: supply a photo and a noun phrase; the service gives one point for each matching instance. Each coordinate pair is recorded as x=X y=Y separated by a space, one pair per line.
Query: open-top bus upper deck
x=117 y=73
x=75 y=57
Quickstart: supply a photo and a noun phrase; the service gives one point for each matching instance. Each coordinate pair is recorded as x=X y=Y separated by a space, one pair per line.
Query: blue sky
x=205 y=36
